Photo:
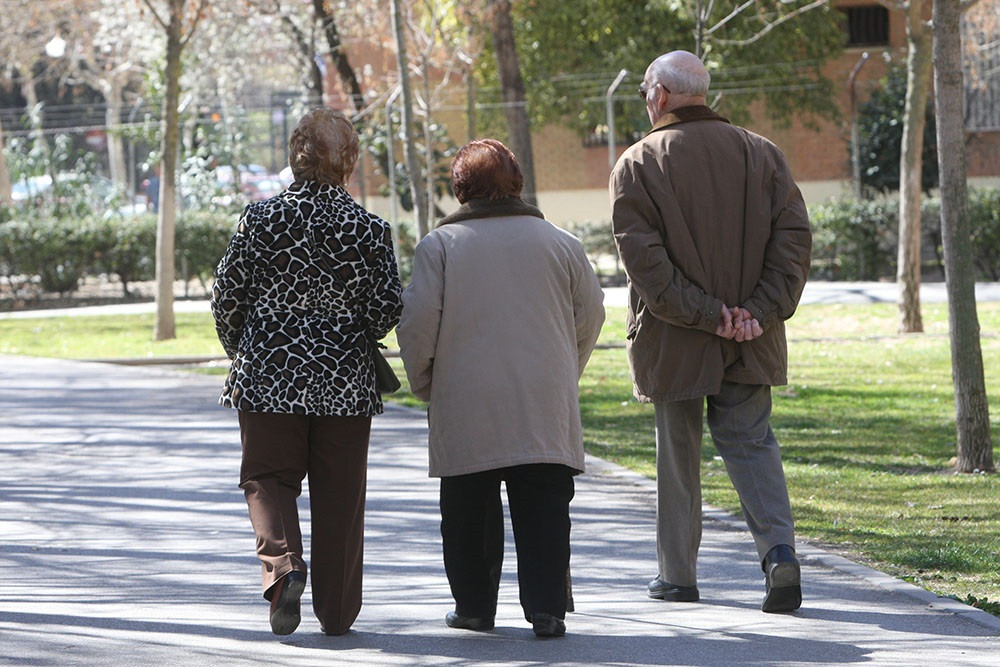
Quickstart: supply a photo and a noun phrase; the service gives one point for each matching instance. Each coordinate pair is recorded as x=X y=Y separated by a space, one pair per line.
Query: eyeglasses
x=643 y=91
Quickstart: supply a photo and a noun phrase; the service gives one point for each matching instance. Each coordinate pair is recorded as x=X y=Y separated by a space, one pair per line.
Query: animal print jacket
x=294 y=334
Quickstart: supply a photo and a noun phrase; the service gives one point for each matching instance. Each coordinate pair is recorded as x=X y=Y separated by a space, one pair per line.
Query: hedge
x=857 y=240
x=852 y=240
x=53 y=255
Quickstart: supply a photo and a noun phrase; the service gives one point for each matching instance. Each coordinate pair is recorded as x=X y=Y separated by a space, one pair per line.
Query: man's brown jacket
x=706 y=214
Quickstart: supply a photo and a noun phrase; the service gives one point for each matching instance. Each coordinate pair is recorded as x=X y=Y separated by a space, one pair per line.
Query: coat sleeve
x=668 y=294
x=230 y=301
x=418 y=328
x=588 y=307
x=382 y=308
x=787 y=254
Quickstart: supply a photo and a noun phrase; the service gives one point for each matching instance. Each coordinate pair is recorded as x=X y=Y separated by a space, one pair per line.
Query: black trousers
x=472 y=530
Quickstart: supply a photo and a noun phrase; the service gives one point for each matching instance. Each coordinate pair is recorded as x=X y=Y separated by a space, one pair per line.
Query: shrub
x=984 y=221
x=854 y=240
x=201 y=241
x=858 y=240
x=53 y=251
x=126 y=247
x=599 y=242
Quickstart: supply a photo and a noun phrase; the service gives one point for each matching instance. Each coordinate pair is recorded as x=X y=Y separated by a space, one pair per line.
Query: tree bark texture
x=164 y=327
x=312 y=76
x=337 y=55
x=420 y=203
x=116 y=144
x=975 y=449
x=512 y=84
x=5 y=184
x=918 y=82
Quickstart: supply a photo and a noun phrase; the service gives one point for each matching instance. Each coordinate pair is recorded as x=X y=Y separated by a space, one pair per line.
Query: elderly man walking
x=715 y=239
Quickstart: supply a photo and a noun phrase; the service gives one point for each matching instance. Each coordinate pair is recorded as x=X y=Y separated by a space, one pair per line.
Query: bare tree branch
x=156 y=15
x=736 y=12
x=194 y=23
x=774 y=24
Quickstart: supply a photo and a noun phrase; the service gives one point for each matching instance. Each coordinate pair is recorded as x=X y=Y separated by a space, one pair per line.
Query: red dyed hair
x=485 y=169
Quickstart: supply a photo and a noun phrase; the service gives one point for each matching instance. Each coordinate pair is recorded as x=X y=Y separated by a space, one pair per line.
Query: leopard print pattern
x=294 y=334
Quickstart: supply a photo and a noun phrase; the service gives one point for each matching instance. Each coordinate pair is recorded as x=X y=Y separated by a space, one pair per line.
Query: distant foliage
x=857 y=240
x=52 y=255
x=984 y=219
x=880 y=129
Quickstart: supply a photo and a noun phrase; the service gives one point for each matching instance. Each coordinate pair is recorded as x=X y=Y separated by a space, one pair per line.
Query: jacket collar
x=299 y=189
x=491 y=208
x=686 y=115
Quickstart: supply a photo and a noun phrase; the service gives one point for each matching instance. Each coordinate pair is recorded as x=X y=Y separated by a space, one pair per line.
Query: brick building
x=572 y=174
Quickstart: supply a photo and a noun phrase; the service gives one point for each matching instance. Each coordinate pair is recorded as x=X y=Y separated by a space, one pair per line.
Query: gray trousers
x=738 y=419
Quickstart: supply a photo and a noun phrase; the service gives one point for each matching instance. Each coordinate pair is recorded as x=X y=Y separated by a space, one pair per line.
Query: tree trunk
x=700 y=19
x=116 y=144
x=312 y=76
x=512 y=84
x=164 y=328
x=470 y=105
x=428 y=149
x=972 y=422
x=340 y=61
x=5 y=184
x=918 y=81
x=420 y=203
x=35 y=120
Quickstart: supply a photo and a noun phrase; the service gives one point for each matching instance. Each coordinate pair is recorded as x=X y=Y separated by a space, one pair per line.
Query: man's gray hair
x=678 y=80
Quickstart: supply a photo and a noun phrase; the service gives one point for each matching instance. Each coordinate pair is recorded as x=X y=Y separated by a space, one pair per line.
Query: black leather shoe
x=547 y=625
x=479 y=624
x=659 y=589
x=783 y=579
x=285 y=611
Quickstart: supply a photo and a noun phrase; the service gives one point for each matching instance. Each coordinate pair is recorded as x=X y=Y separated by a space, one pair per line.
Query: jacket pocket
x=634 y=315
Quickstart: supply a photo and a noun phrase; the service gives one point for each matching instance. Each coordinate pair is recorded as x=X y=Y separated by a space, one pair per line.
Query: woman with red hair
x=498 y=323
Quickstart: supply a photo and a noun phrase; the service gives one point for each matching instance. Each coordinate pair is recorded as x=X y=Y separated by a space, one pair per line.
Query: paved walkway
x=124 y=540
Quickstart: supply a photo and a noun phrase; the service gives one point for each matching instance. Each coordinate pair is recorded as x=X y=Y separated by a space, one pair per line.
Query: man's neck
x=681 y=101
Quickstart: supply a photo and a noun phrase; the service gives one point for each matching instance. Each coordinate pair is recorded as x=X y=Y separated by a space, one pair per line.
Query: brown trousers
x=279 y=450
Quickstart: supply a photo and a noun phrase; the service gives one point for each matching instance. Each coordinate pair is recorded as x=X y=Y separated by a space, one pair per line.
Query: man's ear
x=661 y=99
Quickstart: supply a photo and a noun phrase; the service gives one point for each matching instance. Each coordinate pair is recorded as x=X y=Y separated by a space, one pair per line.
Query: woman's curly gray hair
x=323 y=147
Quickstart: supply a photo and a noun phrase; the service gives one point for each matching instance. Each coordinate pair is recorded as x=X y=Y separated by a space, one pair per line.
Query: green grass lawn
x=866 y=425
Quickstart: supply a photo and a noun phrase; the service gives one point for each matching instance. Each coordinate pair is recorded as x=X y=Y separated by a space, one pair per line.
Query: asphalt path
x=124 y=540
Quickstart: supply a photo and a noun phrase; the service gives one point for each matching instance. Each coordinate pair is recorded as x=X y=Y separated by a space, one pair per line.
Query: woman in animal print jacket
x=307 y=272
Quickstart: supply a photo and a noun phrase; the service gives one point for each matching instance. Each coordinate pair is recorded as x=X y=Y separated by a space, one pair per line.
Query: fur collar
x=491 y=208
x=686 y=115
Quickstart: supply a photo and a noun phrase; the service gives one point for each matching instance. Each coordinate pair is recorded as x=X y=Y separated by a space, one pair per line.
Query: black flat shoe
x=479 y=624
x=783 y=580
x=546 y=625
x=664 y=590
x=285 y=611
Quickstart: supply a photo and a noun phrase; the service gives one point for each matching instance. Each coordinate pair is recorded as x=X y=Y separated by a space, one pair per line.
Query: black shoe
x=783 y=579
x=285 y=612
x=659 y=589
x=331 y=632
x=547 y=625
x=479 y=624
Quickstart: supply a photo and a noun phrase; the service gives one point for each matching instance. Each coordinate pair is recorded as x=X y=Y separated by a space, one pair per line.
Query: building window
x=867 y=25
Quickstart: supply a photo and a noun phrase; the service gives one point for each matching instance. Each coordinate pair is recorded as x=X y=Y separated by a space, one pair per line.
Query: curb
x=827 y=559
